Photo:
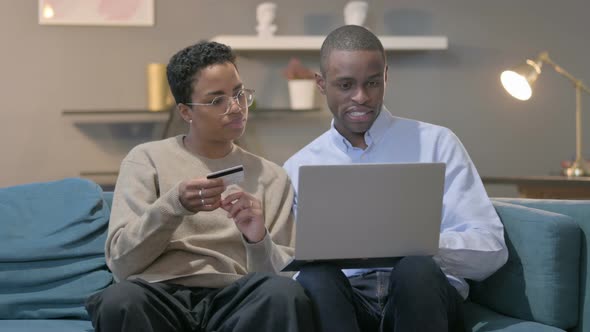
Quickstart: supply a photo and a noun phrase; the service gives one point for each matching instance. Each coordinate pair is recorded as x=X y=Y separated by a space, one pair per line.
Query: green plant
x=295 y=70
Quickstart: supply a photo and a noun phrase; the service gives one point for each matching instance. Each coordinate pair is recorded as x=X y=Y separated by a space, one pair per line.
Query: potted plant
x=301 y=85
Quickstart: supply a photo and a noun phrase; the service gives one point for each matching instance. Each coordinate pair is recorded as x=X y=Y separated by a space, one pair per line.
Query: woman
x=192 y=253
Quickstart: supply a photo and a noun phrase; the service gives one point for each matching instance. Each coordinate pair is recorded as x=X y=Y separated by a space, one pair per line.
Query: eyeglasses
x=222 y=104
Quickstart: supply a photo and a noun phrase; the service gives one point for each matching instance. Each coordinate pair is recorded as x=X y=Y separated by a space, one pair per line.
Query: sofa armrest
x=540 y=281
x=52 y=239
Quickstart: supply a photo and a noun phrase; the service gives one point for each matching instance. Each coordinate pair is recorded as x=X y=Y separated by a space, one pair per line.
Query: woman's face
x=220 y=123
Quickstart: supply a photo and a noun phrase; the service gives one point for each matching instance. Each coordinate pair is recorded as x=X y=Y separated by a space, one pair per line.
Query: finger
x=233 y=197
x=204 y=183
x=241 y=204
x=196 y=184
x=210 y=207
x=190 y=196
x=213 y=183
x=216 y=182
x=210 y=192
x=255 y=203
x=197 y=206
x=209 y=200
x=233 y=209
x=205 y=203
x=226 y=207
x=196 y=202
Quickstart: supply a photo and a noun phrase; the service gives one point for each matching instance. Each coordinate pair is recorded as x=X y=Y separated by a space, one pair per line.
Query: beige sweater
x=153 y=237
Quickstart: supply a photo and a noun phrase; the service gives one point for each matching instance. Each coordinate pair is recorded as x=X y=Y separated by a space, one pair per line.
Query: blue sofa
x=52 y=238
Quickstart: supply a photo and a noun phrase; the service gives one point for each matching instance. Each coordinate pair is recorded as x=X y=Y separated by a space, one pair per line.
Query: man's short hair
x=349 y=38
x=184 y=66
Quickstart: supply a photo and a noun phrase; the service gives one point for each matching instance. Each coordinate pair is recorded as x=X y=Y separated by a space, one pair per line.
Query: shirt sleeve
x=141 y=223
x=276 y=249
x=472 y=242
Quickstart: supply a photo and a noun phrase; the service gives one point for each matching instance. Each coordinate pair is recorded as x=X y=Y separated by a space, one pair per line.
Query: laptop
x=367 y=215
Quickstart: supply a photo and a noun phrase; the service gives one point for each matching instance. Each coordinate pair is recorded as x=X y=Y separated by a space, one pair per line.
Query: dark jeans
x=414 y=296
x=257 y=302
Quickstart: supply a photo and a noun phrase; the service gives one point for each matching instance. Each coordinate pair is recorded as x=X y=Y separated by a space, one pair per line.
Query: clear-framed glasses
x=222 y=104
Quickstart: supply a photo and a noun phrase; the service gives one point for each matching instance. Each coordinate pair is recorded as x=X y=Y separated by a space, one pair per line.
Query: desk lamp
x=519 y=83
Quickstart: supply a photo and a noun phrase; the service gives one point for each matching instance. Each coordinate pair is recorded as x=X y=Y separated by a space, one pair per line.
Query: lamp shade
x=519 y=81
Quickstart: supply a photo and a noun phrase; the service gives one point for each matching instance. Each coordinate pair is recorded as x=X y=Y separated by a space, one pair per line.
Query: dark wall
x=46 y=69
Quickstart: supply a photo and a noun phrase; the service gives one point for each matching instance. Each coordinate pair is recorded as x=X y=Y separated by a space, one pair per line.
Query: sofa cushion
x=51 y=248
x=540 y=281
x=480 y=319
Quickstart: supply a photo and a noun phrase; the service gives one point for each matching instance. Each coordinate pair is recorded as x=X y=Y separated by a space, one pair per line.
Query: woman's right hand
x=201 y=194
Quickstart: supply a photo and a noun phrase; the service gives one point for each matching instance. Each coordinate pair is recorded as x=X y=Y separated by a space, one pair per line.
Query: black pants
x=256 y=302
x=414 y=296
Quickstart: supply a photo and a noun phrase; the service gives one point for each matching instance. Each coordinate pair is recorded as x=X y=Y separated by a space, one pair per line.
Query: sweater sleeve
x=274 y=251
x=142 y=222
x=472 y=236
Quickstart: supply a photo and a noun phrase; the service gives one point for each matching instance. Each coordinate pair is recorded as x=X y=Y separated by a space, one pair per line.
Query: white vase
x=302 y=94
x=355 y=12
x=265 y=15
x=158 y=91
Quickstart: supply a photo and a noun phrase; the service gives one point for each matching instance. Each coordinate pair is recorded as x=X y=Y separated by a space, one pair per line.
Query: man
x=415 y=295
x=192 y=253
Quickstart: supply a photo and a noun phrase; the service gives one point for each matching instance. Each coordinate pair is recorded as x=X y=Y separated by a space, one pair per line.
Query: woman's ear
x=185 y=112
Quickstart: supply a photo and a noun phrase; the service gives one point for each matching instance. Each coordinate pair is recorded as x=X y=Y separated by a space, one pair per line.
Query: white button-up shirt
x=472 y=237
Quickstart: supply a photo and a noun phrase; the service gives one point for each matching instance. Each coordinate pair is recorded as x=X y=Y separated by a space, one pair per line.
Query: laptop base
x=351 y=263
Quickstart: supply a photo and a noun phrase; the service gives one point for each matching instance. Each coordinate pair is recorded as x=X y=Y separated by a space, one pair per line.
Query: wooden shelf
x=286 y=113
x=313 y=43
x=105 y=179
x=145 y=116
x=538 y=180
x=547 y=187
x=116 y=116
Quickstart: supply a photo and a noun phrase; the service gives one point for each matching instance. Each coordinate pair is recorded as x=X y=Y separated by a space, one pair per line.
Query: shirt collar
x=373 y=135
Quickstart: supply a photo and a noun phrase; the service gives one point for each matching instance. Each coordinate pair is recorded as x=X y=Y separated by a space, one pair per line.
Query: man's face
x=209 y=123
x=354 y=85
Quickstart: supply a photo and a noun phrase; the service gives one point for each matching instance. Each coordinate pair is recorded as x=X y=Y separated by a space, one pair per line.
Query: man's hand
x=201 y=194
x=246 y=211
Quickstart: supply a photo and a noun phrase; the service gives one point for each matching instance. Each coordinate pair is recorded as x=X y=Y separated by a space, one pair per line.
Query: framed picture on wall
x=97 y=12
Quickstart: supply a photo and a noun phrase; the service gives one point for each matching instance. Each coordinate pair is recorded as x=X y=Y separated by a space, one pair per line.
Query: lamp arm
x=544 y=57
x=578 y=167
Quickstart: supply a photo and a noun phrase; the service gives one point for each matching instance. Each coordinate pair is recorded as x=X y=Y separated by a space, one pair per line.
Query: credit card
x=232 y=175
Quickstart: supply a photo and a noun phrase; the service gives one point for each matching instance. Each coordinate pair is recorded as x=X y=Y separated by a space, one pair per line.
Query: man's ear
x=386 y=68
x=320 y=82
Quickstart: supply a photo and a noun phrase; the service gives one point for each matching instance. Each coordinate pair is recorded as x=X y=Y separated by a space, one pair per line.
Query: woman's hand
x=201 y=194
x=246 y=211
